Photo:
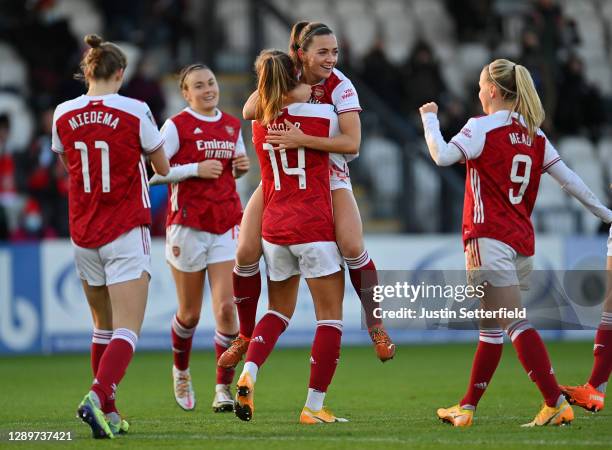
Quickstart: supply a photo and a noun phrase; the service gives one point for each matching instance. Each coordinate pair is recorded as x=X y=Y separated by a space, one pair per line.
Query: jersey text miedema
x=103 y=139
x=295 y=182
x=503 y=170
x=204 y=204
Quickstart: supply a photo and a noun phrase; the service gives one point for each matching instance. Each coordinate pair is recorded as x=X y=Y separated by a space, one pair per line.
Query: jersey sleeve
x=56 y=142
x=345 y=98
x=470 y=140
x=240 y=148
x=551 y=155
x=150 y=137
x=171 y=138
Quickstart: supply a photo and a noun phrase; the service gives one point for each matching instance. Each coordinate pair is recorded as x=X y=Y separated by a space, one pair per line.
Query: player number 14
x=299 y=171
x=104 y=154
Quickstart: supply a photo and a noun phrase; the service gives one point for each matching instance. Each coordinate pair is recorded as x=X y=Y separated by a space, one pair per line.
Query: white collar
x=214 y=118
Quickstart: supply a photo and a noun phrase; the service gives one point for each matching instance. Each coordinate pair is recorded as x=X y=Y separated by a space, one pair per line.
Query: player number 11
x=104 y=154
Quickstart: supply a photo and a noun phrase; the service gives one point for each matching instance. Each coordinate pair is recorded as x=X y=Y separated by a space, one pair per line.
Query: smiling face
x=320 y=58
x=201 y=91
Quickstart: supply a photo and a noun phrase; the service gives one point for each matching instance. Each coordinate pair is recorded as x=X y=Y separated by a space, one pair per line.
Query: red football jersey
x=503 y=170
x=295 y=182
x=204 y=204
x=104 y=139
x=339 y=91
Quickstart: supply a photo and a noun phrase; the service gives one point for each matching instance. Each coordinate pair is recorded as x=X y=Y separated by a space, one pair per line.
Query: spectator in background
x=382 y=76
x=533 y=59
x=45 y=41
x=546 y=20
x=582 y=108
x=144 y=85
x=37 y=176
x=10 y=202
x=422 y=79
x=30 y=223
x=475 y=20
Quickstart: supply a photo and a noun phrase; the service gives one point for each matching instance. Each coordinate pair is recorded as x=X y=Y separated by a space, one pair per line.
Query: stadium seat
x=344 y=7
x=22 y=122
x=277 y=35
x=399 y=33
x=573 y=8
x=389 y=8
x=575 y=148
x=360 y=30
x=593 y=175
x=471 y=58
x=133 y=54
x=83 y=16
x=600 y=75
x=550 y=193
x=435 y=23
x=427 y=194
x=13 y=71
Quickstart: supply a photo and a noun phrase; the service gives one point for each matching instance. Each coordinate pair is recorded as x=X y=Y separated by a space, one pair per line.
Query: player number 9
x=522 y=179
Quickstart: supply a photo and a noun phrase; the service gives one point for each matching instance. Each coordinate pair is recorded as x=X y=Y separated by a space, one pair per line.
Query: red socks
x=99 y=341
x=247 y=287
x=602 y=353
x=222 y=343
x=265 y=335
x=486 y=359
x=113 y=364
x=182 y=338
x=534 y=358
x=362 y=272
x=325 y=354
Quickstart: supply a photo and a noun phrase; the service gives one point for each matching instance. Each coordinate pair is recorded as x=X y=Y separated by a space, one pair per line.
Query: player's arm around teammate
x=202 y=224
x=505 y=153
x=102 y=138
x=292 y=198
x=314 y=49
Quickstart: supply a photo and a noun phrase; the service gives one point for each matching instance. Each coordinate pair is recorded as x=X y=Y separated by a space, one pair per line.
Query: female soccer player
x=505 y=153
x=314 y=49
x=592 y=394
x=102 y=138
x=202 y=225
x=298 y=236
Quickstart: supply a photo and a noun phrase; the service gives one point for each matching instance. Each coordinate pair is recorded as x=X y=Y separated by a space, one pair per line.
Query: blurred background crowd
x=399 y=54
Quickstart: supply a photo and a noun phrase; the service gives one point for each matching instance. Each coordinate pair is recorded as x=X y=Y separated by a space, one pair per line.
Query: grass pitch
x=389 y=406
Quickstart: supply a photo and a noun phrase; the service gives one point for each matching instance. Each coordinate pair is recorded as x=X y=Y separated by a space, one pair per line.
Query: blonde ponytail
x=515 y=84
x=528 y=103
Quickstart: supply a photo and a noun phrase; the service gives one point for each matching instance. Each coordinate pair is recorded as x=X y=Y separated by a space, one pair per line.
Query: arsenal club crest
x=176 y=251
x=318 y=92
x=230 y=130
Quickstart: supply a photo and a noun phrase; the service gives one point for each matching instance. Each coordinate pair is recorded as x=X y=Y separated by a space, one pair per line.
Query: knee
x=189 y=319
x=226 y=312
x=248 y=253
x=350 y=248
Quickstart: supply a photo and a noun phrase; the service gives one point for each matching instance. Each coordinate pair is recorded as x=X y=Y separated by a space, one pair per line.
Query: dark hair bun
x=93 y=40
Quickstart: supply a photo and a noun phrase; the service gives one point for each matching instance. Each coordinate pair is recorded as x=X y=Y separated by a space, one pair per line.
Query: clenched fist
x=430 y=107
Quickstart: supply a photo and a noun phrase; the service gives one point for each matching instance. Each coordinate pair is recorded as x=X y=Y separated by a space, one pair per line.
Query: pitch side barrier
x=43 y=308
